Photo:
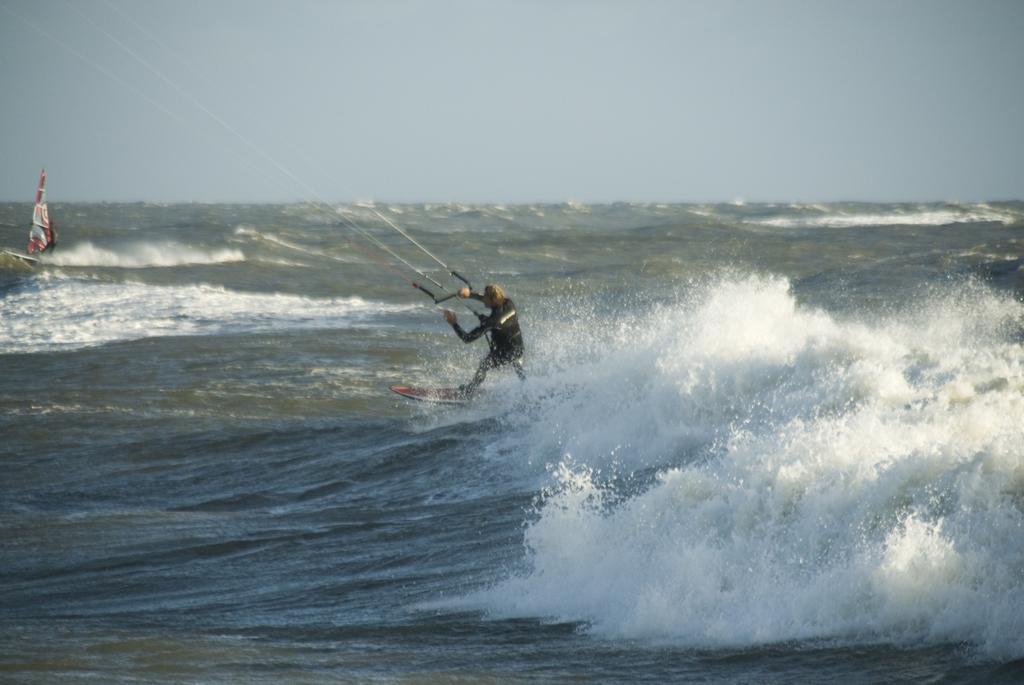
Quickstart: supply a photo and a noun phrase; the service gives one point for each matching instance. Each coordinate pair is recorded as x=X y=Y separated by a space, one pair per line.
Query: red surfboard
x=440 y=395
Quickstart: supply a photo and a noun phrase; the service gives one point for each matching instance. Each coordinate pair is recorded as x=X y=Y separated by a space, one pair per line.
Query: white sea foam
x=912 y=216
x=816 y=478
x=55 y=312
x=142 y=255
x=270 y=238
x=274 y=239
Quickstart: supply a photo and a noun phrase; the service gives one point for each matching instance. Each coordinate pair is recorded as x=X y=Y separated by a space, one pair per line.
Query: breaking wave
x=142 y=255
x=58 y=313
x=818 y=215
x=736 y=469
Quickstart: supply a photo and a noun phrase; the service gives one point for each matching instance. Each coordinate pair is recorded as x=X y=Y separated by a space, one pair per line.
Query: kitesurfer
x=506 y=340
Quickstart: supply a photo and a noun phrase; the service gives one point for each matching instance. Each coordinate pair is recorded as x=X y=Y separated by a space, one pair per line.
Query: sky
x=515 y=101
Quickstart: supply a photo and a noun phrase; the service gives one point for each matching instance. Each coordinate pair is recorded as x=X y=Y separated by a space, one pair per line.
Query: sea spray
x=847 y=480
x=56 y=311
x=140 y=255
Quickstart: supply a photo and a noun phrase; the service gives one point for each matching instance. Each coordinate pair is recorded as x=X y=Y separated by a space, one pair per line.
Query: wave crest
x=737 y=469
x=142 y=255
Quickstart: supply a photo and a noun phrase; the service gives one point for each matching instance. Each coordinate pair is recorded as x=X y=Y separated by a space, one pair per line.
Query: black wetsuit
x=506 y=341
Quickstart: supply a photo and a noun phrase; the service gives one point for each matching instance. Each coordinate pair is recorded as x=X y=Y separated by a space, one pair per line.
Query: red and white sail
x=42 y=235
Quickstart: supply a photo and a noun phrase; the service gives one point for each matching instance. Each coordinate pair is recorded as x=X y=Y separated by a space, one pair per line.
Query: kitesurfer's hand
x=463 y=292
x=449 y=316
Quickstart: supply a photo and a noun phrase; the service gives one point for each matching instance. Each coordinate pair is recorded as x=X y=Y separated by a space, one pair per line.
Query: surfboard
x=23 y=257
x=438 y=395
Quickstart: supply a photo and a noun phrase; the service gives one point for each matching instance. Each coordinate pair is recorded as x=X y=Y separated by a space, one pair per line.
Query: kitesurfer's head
x=494 y=296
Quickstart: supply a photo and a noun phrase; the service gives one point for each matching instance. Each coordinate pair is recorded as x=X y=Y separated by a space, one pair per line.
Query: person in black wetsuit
x=506 y=340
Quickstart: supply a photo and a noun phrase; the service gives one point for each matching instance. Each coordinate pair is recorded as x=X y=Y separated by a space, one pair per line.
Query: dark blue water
x=764 y=443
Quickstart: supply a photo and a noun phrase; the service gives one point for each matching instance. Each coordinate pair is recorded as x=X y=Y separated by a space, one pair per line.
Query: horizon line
x=736 y=201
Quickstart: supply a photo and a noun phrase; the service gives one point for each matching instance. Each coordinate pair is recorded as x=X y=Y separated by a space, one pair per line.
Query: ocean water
x=757 y=443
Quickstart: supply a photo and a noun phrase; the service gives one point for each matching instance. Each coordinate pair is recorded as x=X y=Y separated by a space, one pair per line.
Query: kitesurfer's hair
x=494 y=293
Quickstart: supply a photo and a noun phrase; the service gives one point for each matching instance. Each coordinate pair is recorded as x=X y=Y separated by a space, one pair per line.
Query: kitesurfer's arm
x=485 y=325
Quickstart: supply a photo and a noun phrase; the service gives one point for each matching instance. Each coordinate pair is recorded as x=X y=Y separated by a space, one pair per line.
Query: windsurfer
x=506 y=340
x=36 y=240
x=42 y=236
x=42 y=239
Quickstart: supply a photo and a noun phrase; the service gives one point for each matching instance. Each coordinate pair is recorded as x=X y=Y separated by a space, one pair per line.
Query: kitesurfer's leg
x=488 y=363
x=517 y=364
